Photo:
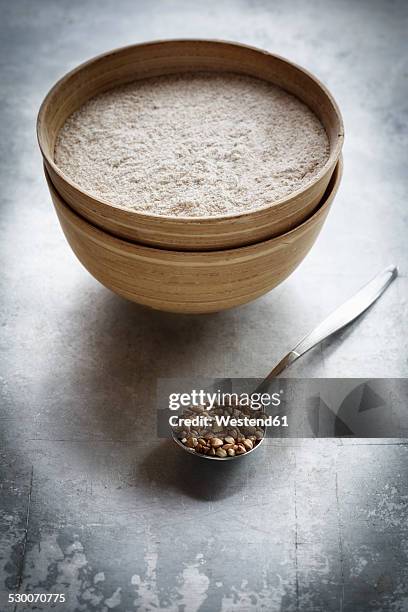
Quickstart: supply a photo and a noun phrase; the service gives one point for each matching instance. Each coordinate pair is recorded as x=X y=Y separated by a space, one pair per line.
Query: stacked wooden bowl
x=189 y=264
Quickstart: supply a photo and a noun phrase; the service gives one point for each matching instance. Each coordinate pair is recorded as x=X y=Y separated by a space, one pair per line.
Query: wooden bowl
x=175 y=56
x=186 y=281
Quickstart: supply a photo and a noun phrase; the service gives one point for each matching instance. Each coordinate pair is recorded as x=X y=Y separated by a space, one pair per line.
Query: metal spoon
x=342 y=316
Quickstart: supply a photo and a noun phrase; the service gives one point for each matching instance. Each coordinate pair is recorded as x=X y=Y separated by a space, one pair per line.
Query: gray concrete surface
x=92 y=504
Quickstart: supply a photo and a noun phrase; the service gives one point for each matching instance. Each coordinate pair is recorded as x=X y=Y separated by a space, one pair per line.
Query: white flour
x=200 y=144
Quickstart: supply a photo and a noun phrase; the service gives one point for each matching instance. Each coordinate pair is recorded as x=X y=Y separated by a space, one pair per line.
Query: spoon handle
x=342 y=316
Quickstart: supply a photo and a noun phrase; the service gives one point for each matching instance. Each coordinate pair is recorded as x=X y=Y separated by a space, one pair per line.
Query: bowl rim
x=115 y=241
x=333 y=155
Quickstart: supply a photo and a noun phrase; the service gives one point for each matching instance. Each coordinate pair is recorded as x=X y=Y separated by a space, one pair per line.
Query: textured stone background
x=116 y=518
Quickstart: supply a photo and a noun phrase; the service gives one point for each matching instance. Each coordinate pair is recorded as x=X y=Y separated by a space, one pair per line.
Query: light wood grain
x=185 y=281
x=166 y=57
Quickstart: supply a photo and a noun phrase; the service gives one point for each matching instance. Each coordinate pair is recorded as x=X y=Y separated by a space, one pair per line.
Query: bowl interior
x=168 y=57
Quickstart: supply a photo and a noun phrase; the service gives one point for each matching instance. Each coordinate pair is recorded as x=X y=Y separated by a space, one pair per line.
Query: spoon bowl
x=191 y=451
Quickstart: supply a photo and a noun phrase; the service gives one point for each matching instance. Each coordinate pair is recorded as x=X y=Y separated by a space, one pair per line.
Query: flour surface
x=200 y=144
